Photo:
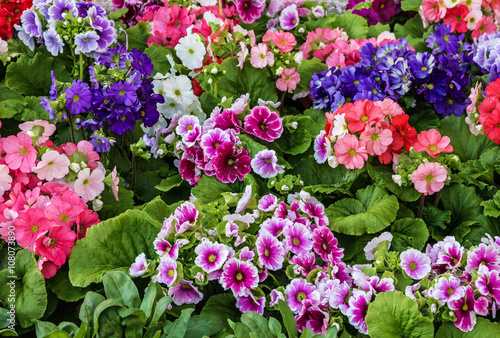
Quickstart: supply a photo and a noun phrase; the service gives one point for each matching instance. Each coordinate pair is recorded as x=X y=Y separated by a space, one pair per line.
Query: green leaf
x=379 y=172
x=436 y=218
x=117 y=14
x=204 y=325
x=119 y=286
x=145 y=183
x=43 y=329
x=392 y=314
x=157 y=210
x=297 y=141
x=323 y=178
x=169 y=183
x=62 y=287
x=90 y=303
x=29 y=285
x=307 y=69
x=149 y=300
x=242 y=331
x=424 y=120
x=354 y=25
x=107 y=322
x=160 y=308
x=222 y=305
x=411 y=5
x=409 y=233
x=483 y=329
x=137 y=36
x=237 y=82
x=372 y=211
x=492 y=207
x=274 y=326
x=288 y=319
x=466 y=145
x=180 y=325
x=375 y=30
x=159 y=59
x=112 y=245
x=31 y=76
x=112 y=207
x=210 y=189
x=256 y=323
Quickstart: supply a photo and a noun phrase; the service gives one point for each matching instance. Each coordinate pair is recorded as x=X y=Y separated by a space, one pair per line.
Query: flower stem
x=133 y=171
x=421 y=206
x=282 y=100
x=71 y=127
x=221 y=12
x=81 y=66
x=438 y=196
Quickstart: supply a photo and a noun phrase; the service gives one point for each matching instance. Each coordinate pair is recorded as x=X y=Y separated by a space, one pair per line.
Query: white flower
x=191 y=51
x=299 y=56
x=397 y=179
x=332 y=161
x=4 y=47
x=210 y=18
x=89 y=185
x=339 y=126
x=170 y=108
x=180 y=89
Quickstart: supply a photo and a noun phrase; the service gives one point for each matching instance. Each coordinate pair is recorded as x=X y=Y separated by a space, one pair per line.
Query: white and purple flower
x=270 y=250
x=140 y=266
x=298 y=291
x=266 y=165
x=447 y=290
x=239 y=276
x=211 y=256
x=415 y=264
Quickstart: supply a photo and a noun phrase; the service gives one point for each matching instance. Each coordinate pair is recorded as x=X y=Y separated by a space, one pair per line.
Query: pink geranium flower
x=432 y=142
x=56 y=245
x=288 y=80
x=429 y=177
x=260 y=57
x=415 y=263
x=89 y=184
x=351 y=152
x=52 y=166
x=20 y=153
x=29 y=225
x=283 y=40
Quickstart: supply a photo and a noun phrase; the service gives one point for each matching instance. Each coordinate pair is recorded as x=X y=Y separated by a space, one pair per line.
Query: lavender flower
x=140 y=266
x=415 y=263
x=266 y=165
x=86 y=43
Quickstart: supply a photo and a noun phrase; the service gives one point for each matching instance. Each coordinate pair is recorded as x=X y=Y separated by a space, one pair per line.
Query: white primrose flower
x=191 y=51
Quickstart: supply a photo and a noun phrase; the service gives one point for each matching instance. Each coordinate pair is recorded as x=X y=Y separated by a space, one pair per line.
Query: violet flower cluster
x=55 y=24
x=486 y=54
x=214 y=146
x=375 y=11
x=120 y=93
x=394 y=70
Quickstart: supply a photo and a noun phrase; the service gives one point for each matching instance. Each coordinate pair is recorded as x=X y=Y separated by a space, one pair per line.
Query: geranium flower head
x=429 y=177
x=415 y=263
x=210 y=255
x=239 y=276
x=298 y=291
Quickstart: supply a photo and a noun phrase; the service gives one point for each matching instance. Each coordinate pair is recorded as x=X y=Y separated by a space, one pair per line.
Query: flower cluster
x=486 y=51
x=55 y=24
x=214 y=148
x=393 y=69
x=375 y=11
x=456 y=283
x=137 y=10
x=121 y=93
x=462 y=16
x=10 y=15
x=44 y=192
x=289 y=14
x=483 y=114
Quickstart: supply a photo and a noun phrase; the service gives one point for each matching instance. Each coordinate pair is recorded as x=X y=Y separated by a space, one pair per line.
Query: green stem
x=81 y=66
x=421 y=206
x=71 y=127
x=215 y=88
x=133 y=172
x=221 y=12
x=104 y=160
x=438 y=196
x=282 y=100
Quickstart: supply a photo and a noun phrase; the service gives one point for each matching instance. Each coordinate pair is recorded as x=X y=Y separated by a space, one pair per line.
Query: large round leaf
x=483 y=329
x=112 y=245
x=372 y=211
x=392 y=314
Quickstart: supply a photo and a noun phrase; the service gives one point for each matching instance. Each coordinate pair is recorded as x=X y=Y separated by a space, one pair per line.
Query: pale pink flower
x=52 y=166
x=89 y=184
x=114 y=183
x=351 y=152
x=38 y=128
x=20 y=152
x=5 y=179
x=289 y=80
x=242 y=55
x=429 y=177
x=260 y=57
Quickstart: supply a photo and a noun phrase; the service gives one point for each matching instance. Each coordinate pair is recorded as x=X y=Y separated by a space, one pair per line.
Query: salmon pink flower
x=260 y=57
x=56 y=245
x=484 y=26
x=360 y=114
x=52 y=166
x=89 y=184
x=283 y=40
x=288 y=81
x=211 y=255
x=30 y=225
x=185 y=293
x=20 y=153
x=429 y=178
x=239 y=276
x=434 y=10
x=38 y=128
x=455 y=17
x=432 y=142
x=415 y=263
x=140 y=266
x=377 y=139
x=264 y=123
x=351 y=152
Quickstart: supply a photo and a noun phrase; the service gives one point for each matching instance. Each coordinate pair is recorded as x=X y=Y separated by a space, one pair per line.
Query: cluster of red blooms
x=10 y=15
x=489 y=111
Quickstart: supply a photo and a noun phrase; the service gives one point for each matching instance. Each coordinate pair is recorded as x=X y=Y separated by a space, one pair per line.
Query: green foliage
x=223 y=305
x=112 y=245
x=210 y=189
x=375 y=30
x=409 y=233
x=295 y=141
x=158 y=55
x=492 y=207
x=411 y=5
x=379 y=172
x=413 y=30
x=136 y=36
x=483 y=329
x=31 y=76
x=29 y=285
x=392 y=314
x=424 y=120
x=372 y=211
x=237 y=82
x=354 y=25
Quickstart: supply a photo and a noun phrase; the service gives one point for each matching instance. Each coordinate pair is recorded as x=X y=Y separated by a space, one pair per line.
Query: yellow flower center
x=212 y=258
x=239 y=276
x=352 y=152
x=413 y=266
x=171 y=273
x=429 y=178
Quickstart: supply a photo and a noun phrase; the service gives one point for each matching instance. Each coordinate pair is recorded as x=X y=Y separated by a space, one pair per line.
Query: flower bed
x=249 y=168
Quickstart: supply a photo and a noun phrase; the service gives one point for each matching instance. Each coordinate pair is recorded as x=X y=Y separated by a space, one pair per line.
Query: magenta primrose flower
x=451 y=255
x=275 y=225
x=298 y=238
x=339 y=298
x=211 y=255
x=489 y=284
x=268 y=203
x=264 y=123
x=239 y=276
x=140 y=266
x=250 y=303
x=212 y=139
x=312 y=317
x=466 y=308
x=270 y=250
x=358 y=307
x=186 y=215
x=250 y=10
x=298 y=291
x=415 y=263
x=447 y=290
x=231 y=163
x=265 y=164
x=483 y=258
x=167 y=271
x=185 y=293
x=325 y=245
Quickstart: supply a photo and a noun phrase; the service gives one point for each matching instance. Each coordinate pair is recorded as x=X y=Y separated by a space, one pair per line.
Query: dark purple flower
x=78 y=97
x=123 y=93
x=444 y=40
x=148 y=113
x=385 y=9
x=142 y=62
x=422 y=64
x=230 y=163
x=122 y=121
x=101 y=143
